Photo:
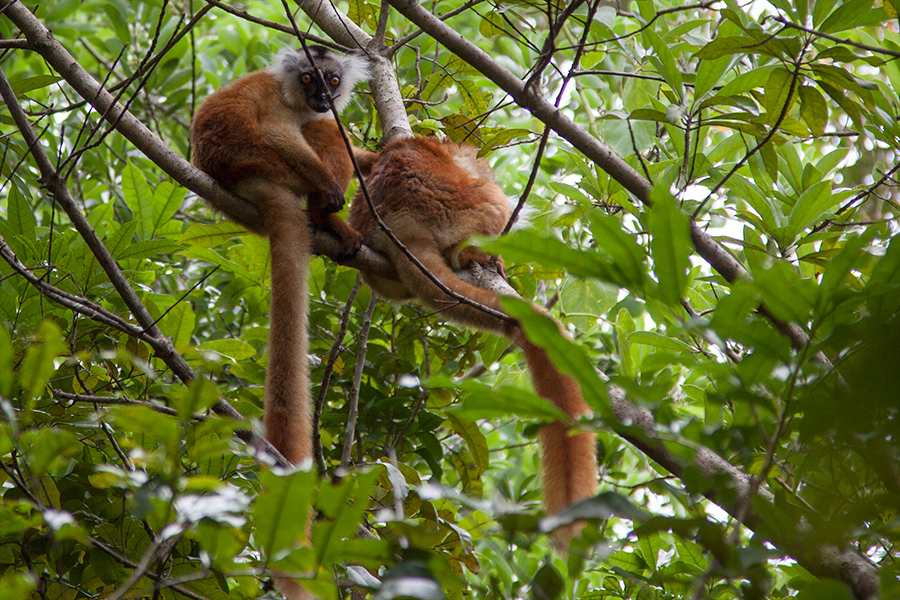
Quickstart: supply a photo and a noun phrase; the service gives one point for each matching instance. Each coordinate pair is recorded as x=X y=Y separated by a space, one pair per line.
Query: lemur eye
x=335 y=81
x=305 y=78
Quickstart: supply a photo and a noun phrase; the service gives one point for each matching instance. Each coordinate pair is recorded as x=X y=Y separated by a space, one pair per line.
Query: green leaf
x=884 y=283
x=813 y=109
x=569 y=191
x=201 y=396
x=502 y=138
x=229 y=266
x=811 y=206
x=847 y=16
x=211 y=235
x=344 y=505
x=785 y=293
x=485 y=402
x=666 y=61
x=651 y=338
x=36 y=82
x=850 y=105
x=842 y=79
x=625 y=327
x=7 y=374
x=824 y=589
x=585 y=301
x=20 y=216
x=491 y=24
x=776 y=95
x=167 y=199
x=475 y=441
x=46 y=447
x=39 y=365
x=550 y=253
x=233 y=350
x=624 y=256
x=548 y=582
x=648 y=114
x=152 y=430
x=755 y=78
x=18 y=586
x=670 y=246
x=117 y=20
x=178 y=323
x=282 y=509
x=723 y=46
x=600 y=507
x=139 y=199
x=122 y=238
x=709 y=73
x=821 y=10
x=788 y=7
x=148 y=248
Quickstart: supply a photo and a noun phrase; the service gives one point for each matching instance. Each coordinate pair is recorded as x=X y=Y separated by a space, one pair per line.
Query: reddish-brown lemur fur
x=433 y=196
x=271 y=138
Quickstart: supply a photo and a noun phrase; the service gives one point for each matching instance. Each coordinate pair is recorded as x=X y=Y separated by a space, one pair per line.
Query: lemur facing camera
x=271 y=138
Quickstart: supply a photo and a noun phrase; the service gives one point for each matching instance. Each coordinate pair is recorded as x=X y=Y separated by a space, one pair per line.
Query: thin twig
x=336 y=348
x=117 y=401
x=769 y=135
x=353 y=399
x=844 y=41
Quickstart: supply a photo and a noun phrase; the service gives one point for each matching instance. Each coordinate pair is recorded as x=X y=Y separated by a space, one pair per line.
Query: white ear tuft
x=284 y=69
x=356 y=69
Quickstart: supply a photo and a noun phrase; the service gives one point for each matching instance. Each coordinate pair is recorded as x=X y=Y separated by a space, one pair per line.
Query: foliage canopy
x=772 y=127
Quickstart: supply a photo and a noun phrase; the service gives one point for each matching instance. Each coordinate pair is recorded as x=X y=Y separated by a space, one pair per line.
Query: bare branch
x=336 y=348
x=116 y=401
x=243 y=14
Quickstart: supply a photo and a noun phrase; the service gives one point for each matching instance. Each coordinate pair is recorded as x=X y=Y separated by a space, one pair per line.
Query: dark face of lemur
x=332 y=72
x=301 y=86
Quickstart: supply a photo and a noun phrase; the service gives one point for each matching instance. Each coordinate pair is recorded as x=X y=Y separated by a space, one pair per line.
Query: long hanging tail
x=288 y=415
x=569 y=461
x=288 y=400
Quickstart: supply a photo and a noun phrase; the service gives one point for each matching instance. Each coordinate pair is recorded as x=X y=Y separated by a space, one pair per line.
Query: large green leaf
x=485 y=402
x=670 y=246
x=281 y=511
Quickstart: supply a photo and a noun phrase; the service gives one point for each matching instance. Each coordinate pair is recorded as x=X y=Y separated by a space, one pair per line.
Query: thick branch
x=637 y=426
